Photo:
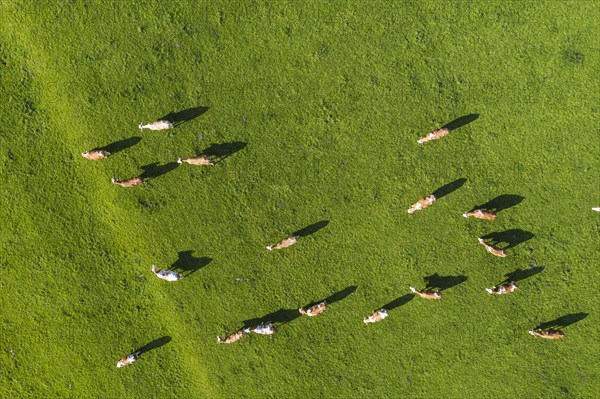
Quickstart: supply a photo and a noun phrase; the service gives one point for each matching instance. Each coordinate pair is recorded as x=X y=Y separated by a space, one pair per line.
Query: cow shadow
x=460 y=122
x=511 y=238
x=154 y=170
x=336 y=297
x=400 y=301
x=449 y=188
x=522 y=274
x=501 y=203
x=121 y=145
x=435 y=281
x=313 y=228
x=187 y=264
x=157 y=343
x=281 y=316
x=563 y=321
x=220 y=152
x=177 y=118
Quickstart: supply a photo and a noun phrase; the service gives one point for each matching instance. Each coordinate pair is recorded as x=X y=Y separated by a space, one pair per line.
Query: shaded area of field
x=180 y=117
x=564 y=321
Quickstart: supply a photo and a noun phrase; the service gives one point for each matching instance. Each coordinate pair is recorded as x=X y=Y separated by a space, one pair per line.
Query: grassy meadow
x=312 y=110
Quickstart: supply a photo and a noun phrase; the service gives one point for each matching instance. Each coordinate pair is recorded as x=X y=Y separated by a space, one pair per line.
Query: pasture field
x=312 y=110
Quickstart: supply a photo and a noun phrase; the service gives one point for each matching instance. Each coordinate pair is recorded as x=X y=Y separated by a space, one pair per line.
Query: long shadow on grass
x=449 y=188
x=154 y=170
x=313 y=228
x=121 y=145
x=511 y=238
x=220 y=152
x=460 y=122
x=187 y=264
x=501 y=203
x=396 y=303
x=563 y=321
x=435 y=281
x=281 y=316
x=177 y=118
x=157 y=343
x=336 y=297
x=522 y=274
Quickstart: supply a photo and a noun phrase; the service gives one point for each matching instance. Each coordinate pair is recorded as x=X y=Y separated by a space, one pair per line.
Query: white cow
x=167 y=275
x=158 y=125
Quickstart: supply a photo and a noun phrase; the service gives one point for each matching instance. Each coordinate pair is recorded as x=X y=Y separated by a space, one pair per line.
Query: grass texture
x=313 y=109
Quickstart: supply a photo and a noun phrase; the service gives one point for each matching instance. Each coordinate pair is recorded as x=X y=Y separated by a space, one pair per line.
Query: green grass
x=329 y=98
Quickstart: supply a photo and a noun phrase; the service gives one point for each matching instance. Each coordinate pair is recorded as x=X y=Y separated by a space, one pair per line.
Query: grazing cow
x=286 y=242
x=422 y=203
x=503 y=289
x=129 y=359
x=263 y=329
x=233 y=337
x=167 y=275
x=494 y=250
x=427 y=294
x=376 y=316
x=135 y=181
x=94 y=155
x=597 y=209
x=314 y=310
x=481 y=214
x=435 y=135
x=548 y=334
x=197 y=161
x=158 y=125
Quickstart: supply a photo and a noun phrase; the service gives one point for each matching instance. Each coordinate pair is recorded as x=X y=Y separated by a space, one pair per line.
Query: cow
x=376 y=316
x=422 y=203
x=481 y=214
x=95 y=155
x=494 y=250
x=435 y=135
x=233 y=337
x=286 y=242
x=314 y=310
x=547 y=334
x=426 y=294
x=167 y=275
x=503 y=289
x=129 y=359
x=135 y=181
x=200 y=160
x=158 y=125
x=263 y=329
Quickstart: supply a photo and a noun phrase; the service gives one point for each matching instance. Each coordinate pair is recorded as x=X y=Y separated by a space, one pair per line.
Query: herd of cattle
x=376 y=316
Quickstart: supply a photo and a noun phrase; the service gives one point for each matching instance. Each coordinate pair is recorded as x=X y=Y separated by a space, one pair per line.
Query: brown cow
x=435 y=135
x=200 y=160
x=503 y=289
x=233 y=337
x=422 y=203
x=128 y=360
x=135 y=181
x=314 y=310
x=494 y=250
x=547 y=334
x=286 y=242
x=427 y=294
x=376 y=316
x=94 y=155
x=481 y=214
